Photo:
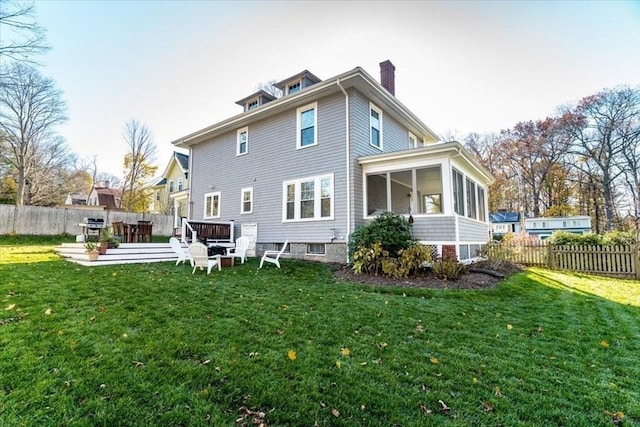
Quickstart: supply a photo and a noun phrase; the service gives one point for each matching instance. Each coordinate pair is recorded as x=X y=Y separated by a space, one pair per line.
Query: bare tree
x=138 y=168
x=599 y=126
x=21 y=38
x=30 y=108
x=270 y=88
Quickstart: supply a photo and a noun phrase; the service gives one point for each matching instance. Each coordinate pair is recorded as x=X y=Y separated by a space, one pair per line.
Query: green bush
x=391 y=230
x=619 y=238
x=613 y=238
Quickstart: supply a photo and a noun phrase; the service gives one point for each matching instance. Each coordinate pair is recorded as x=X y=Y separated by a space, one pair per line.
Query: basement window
x=316 y=249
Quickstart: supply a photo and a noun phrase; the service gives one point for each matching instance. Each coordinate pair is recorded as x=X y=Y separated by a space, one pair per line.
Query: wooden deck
x=127 y=253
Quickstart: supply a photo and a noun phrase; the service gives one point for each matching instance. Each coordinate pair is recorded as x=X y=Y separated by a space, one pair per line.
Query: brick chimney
x=388 y=76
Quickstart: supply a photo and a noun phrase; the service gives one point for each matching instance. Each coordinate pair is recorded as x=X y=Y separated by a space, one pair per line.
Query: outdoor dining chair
x=144 y=231
x=118 y=231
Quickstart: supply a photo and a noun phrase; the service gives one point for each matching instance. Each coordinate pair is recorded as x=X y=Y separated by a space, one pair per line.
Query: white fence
x=38 y=220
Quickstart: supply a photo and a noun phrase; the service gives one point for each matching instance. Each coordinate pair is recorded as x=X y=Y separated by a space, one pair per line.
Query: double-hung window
x=212 y=205
x=375 y=126
x=246 y=206
x=307 y=125
x=242 y=141
x=458 y=192
x=180 y=184
x=171 y=186
x=308 y=198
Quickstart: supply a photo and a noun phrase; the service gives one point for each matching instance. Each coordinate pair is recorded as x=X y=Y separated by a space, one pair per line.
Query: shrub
x=613 y=238
x=391 y=230
x=448 y=269
x=368 y=259
x=497 y=254
x=619 y=238
x=408 y=263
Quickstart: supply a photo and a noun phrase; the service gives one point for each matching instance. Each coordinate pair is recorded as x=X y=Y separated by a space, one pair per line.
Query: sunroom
x=440 y=188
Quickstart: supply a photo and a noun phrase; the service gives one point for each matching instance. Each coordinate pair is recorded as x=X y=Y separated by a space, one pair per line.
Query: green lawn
x=151 y=344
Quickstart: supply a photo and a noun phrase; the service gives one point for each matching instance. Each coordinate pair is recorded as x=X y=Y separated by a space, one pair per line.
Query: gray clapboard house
x=311 y=166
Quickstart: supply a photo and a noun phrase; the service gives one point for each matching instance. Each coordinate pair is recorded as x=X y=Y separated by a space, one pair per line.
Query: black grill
x=91 y=226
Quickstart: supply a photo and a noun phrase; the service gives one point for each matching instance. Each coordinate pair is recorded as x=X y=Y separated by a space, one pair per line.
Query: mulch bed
x=470 y=280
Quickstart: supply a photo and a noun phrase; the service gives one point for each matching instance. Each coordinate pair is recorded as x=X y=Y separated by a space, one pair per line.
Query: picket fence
x=613 y=261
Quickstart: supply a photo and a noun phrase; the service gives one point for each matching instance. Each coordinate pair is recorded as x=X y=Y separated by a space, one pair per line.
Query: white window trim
x=212 y=195
x=299 y=112
x=250 y=191
x=238 y=133
x=373 y=107
x=317 y=188
x=463 y=191
x=413 y=141
x=171 y=187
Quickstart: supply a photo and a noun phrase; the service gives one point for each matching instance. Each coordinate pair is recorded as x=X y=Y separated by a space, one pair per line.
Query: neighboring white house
x=505 y=222
x=544 y=227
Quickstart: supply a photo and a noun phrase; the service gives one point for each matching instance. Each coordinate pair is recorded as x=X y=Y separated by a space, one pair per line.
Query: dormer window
x=297 y=83
x=255 y=100
x=293 y=88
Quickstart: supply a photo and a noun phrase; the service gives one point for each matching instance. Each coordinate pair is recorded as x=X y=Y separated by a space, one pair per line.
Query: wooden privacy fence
x=615 y=261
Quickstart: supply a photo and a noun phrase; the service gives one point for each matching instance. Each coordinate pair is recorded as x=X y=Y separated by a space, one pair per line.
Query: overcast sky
x=179 y=66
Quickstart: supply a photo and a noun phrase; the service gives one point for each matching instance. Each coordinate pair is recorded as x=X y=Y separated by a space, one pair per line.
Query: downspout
x=347 y=164
x=189 y=199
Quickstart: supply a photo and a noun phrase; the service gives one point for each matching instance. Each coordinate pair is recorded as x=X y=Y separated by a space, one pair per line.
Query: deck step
x=126 y=253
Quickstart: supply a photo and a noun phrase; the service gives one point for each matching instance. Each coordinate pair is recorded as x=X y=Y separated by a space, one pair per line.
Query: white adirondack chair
x=200 y=258
x=273 y=256
x=240 y=251
x=181 y=251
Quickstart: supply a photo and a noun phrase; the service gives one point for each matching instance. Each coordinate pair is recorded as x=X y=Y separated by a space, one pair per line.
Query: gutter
x=347 y=163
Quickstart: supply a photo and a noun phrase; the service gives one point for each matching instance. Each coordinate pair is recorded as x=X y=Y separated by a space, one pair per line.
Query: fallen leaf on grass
x=338 y=364
x=291 y=354
x=425 y=410
x=604 y=343
x=345 y=351
x=509 y=326
x=10 y=307
x=616 y=417
x=335 y=412
x=434 y=360
x=47 y=312
x=487 y=406
x=444 y=408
